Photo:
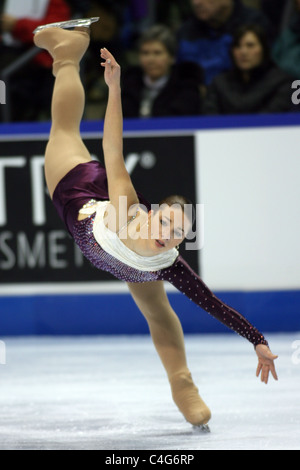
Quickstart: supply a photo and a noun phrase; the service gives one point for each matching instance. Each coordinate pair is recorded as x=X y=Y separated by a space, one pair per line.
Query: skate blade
x=85 y=23
x=202 y=429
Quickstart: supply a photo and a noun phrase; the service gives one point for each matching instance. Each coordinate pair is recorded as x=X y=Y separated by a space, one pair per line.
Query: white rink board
x=248 y=181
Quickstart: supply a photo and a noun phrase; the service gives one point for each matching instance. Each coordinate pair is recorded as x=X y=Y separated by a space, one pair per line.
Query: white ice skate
x=202 y=428
x=84 y=23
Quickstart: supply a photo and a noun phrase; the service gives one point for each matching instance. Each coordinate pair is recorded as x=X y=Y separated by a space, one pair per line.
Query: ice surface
x=111 y=393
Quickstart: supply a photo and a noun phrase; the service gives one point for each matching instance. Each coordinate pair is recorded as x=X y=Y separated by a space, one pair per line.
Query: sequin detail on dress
x=187 y=281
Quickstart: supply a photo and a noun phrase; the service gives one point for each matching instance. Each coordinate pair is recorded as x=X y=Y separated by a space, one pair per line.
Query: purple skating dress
x=88 y=182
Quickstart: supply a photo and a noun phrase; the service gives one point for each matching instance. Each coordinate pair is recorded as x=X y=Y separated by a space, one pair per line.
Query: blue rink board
x=166 y=124
x=113 y=314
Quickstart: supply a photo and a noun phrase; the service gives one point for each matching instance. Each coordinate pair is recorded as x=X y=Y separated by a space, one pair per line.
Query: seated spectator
x=158 y=87
x=206 y=38
x=79 y=8
x=254 y=84
x=252 y=3
x=105 y=33
x=31 y=86
x=137 y=16
x=286 y=51
x=172 y=14
x=274 y=11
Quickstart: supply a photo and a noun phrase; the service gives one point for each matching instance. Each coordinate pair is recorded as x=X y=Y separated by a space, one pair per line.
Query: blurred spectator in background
x=274 y=10
x=138 y=16
x=252 y=4
x=255 y=84
x=105 y=33
x=286 y=51
x=172 y=14
x=158 y=87
x=206 y=38
x=79 y=8
x=31 y=86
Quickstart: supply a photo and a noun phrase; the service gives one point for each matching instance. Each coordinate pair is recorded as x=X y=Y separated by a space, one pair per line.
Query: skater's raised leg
x=65 y=148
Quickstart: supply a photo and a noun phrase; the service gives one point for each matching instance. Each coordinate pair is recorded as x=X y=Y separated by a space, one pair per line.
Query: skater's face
x=155 y=60
x=249 y=53
x=169 y=225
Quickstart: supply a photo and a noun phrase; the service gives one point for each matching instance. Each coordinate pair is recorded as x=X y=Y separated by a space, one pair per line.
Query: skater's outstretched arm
x=189 y=283
x=119 y=181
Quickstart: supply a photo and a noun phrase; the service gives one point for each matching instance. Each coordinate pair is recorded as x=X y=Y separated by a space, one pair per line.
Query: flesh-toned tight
x=65 y=148
x=168 y=338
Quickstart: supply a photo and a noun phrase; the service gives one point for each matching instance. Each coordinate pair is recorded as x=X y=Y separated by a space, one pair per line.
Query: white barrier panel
x=249 y=184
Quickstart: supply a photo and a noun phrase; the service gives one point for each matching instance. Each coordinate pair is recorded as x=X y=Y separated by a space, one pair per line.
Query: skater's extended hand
x=112 y=72
x=265 y=363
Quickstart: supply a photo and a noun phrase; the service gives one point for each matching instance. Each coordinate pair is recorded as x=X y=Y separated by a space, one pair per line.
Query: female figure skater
x=82 y=191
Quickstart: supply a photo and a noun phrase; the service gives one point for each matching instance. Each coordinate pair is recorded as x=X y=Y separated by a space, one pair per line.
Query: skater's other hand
x=112 y=74
x=265 y=363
